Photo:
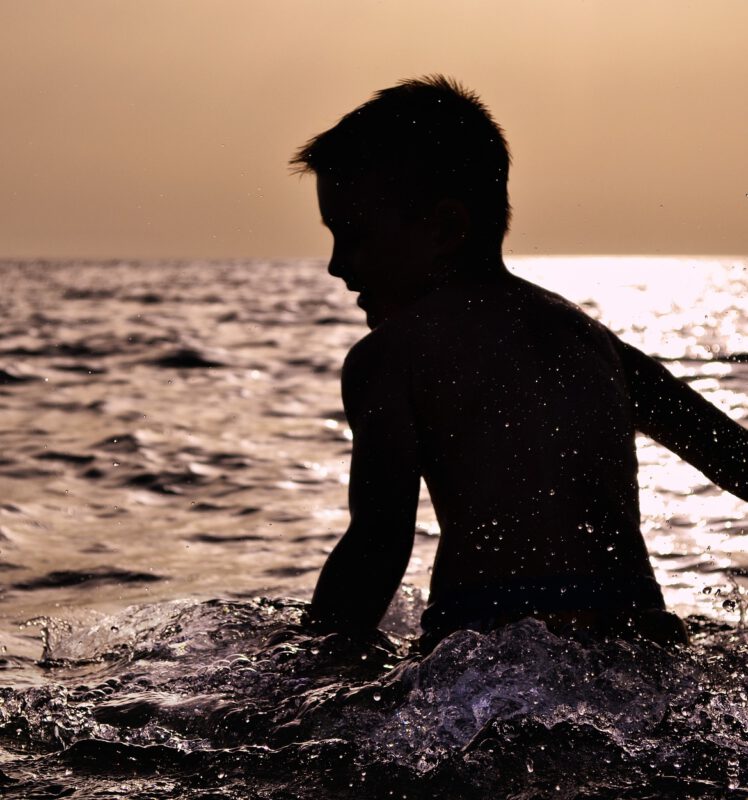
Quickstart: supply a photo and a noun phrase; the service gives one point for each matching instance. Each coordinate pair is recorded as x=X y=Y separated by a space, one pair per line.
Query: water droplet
x=377 y=697
x=733 y=773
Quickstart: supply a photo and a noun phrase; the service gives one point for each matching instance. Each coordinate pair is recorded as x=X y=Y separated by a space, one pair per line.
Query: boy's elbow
x=736 y=484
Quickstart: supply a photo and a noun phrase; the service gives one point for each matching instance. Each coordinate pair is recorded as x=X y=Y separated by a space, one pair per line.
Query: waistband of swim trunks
x=518 y=596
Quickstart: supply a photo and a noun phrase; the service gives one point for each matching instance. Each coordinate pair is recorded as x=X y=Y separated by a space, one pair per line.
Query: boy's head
x=420 y=171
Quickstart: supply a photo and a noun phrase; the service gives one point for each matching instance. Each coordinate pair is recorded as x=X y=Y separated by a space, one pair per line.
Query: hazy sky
x=160 y=128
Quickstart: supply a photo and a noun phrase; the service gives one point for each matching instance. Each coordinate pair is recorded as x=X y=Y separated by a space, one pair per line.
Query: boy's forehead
x=344 y=198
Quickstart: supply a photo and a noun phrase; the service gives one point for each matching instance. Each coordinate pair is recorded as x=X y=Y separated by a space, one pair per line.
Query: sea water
x=173 y=469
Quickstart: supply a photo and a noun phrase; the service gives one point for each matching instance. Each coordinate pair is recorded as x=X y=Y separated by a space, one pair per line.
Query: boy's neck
x=459 y=273
x=472 y=268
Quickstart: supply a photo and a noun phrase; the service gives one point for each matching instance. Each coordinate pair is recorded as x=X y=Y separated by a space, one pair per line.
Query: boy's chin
x=377 y=314
x=372 y=319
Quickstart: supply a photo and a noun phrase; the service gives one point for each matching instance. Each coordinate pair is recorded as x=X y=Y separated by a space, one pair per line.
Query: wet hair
x=428 y=137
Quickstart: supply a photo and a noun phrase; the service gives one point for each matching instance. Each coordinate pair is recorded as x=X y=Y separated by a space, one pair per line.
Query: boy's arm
x=676 y=416
x=364 y=570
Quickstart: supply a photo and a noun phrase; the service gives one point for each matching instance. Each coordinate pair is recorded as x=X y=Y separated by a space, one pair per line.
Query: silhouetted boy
x=518 y=410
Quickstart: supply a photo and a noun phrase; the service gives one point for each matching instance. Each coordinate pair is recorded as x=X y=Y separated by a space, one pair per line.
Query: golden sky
x=162 y=128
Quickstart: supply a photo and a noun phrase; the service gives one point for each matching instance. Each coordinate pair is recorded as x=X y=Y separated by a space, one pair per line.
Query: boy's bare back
x=525 y=435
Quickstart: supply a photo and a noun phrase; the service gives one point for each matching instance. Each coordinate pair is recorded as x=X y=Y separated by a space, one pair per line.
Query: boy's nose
x=334 y=268
x=337 y=267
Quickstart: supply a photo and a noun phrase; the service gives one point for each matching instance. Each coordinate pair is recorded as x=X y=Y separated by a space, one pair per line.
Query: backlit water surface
x=173 y=470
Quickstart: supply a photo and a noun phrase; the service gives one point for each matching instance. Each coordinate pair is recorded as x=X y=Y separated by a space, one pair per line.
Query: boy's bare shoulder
x=375 y=372
x=568 y=330
x=379 y=348
x=561 y=309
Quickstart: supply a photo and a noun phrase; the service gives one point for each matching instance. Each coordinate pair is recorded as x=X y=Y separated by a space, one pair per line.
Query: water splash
x=241 y=699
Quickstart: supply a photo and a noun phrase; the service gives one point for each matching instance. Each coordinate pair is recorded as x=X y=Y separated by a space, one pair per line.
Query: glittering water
x=172 y=451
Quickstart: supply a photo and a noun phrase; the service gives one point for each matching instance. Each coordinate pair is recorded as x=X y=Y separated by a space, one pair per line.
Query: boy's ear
x=452 y=225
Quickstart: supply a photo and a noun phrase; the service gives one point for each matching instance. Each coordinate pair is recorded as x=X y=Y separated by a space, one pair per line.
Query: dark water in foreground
x=222 y=699
x=174 y=460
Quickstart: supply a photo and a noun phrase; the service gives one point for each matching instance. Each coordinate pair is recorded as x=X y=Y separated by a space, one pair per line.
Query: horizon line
x=250 y=258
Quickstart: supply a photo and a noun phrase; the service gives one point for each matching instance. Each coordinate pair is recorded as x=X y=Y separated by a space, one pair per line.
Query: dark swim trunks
x=600 y=606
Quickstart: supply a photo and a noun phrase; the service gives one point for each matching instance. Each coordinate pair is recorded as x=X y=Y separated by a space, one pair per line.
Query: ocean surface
x=173 y=470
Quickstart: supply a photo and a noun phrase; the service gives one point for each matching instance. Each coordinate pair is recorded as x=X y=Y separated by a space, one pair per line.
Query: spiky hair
x=429 y=136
